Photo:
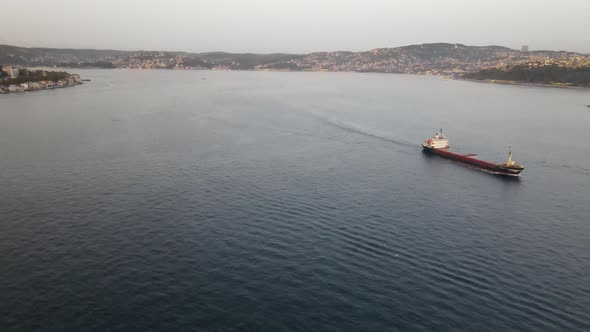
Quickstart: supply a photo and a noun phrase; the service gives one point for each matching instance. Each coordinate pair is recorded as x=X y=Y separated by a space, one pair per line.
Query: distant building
x=524 y=48
x=11 y=71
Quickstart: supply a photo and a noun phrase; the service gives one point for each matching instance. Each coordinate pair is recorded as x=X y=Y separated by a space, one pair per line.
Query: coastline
x=541 y=85
x=20 y=89
x=451 y=77
x=25 y=80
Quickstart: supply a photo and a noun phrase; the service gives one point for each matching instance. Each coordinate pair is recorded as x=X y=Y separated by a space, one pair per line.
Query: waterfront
x=204 y=200
x=16 y=80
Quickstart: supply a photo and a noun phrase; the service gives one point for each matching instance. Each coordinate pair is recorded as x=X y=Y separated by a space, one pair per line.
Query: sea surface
x=261 y=201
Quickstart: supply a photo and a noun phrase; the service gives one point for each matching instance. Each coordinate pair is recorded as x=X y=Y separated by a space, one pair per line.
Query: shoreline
x=541 y=85
x=20 y=89
x=486 y=81
x=19 y=80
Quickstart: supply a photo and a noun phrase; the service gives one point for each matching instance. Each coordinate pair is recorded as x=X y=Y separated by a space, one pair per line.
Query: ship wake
x=356 y=129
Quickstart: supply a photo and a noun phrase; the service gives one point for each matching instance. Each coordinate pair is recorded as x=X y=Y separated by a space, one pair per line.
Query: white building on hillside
x=11 y=71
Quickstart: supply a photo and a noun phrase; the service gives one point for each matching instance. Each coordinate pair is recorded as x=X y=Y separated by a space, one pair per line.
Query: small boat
x=439 y=145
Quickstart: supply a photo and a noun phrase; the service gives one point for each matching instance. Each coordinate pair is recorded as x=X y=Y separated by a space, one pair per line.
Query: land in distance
x=443 y=59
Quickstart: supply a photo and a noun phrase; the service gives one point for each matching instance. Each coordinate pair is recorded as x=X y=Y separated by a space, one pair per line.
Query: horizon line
x=295 y=53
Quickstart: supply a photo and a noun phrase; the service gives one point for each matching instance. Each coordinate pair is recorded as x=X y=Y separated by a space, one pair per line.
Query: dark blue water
x=226 y=201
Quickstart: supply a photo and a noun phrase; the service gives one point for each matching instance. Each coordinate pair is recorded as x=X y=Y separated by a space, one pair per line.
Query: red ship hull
x=500 y=169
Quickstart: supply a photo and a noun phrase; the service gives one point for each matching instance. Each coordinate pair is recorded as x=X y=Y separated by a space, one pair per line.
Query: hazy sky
x=297 y=26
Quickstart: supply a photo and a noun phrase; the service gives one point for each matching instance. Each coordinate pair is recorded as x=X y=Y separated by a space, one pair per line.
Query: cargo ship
x=439 y=144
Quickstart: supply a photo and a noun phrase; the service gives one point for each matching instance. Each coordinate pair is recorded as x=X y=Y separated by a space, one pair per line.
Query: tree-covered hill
x=537 y=73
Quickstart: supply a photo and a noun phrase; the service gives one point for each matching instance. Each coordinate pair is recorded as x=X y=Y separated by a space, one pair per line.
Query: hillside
x=548 y=72
x=12 y=55
x=427 y=59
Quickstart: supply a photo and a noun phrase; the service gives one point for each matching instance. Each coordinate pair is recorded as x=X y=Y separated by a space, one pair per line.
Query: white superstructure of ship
x=438 y=141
